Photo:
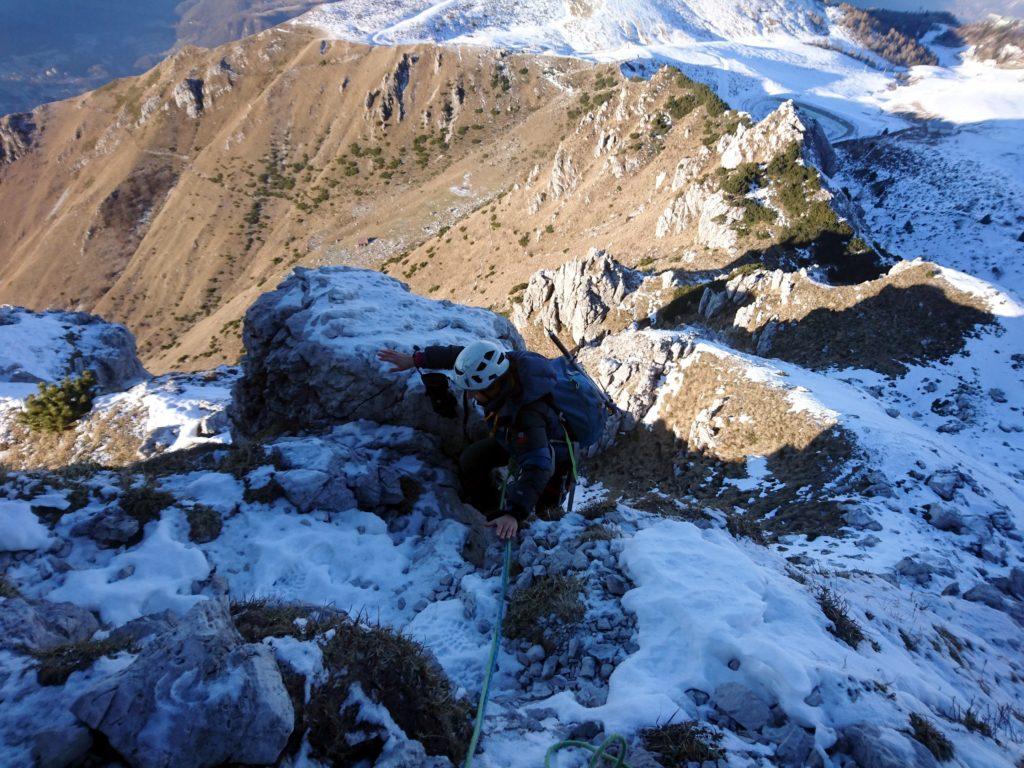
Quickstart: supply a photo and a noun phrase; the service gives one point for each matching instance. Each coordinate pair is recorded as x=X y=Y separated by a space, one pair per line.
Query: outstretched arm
x=435 y=357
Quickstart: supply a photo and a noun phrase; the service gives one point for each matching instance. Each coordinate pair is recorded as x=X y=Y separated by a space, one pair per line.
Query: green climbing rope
x=600 y=755
x=495 y=640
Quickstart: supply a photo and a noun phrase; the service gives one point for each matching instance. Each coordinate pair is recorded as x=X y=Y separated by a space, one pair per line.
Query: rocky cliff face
x=17 y=134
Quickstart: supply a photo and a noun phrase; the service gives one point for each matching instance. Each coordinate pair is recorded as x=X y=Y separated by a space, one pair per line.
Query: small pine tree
x=57 y=406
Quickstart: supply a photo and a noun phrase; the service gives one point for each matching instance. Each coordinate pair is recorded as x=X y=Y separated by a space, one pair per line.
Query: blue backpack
x=579 y=400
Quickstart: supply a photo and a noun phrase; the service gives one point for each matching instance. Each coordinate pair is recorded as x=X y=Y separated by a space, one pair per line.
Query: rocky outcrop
x=38 y=625
x=706 y=208
x=188 y=95
x=763 y=141
x=564 y=175
x=577 y=297
x=17 y=134
x=197 y=696
x=348 y=468
x=47 y=346
x=311 y=350
x=392 y=89
x=631 y=365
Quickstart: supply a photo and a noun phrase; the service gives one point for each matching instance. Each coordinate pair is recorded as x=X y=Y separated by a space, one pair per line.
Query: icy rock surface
x=39 y=624
x=311 y=351
x=48 y=346
x=198 y=696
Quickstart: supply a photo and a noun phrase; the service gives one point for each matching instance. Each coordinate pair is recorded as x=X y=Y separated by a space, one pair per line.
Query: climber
x=517 y=393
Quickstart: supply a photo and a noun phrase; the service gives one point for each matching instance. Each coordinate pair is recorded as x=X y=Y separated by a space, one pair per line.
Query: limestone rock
x=61 y=748
x=564 y=176
x=197 y=696
x=577 y=297
x=37 y=625
x=311 y=349
x=765 y=140
x=706 y=208
x=874 y=747
x=742 y=705
x=188 y=95
x=17 y=135
x=75 y=342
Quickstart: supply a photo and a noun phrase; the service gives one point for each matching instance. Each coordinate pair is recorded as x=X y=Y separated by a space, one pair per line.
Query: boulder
x=196 y=696
x=110 y=528
x=986 y=594
x=353 y=465
x=945 y=483
x=873 y=747
x=946 y=519
x=743 y=705
x=159 y=440
x=311 y=352
x=51 y=345
x=38 y=625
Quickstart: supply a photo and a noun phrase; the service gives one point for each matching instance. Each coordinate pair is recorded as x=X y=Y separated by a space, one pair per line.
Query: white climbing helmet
x=479 y=365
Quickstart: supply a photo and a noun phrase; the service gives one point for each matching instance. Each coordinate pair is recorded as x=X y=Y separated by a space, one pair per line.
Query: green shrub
x=57 y=406
x=739 y=181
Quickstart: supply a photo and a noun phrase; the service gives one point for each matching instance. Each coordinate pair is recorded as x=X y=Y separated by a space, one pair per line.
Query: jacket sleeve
x=531 y=451
x=437 y=357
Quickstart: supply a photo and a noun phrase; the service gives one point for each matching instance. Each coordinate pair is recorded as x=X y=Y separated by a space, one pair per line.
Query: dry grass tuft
x=924 y=731
x=837 y=610
x=682 y=743
x=56 y=664
x=547 y=611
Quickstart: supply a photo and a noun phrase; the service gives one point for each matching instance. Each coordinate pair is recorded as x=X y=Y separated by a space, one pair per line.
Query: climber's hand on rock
x=506 y=526
x=400 y=360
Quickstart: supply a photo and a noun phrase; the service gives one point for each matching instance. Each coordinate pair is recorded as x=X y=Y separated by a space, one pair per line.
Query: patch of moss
x=7 y=588
x=204 y=524
x=259 y=618
x=144 y=502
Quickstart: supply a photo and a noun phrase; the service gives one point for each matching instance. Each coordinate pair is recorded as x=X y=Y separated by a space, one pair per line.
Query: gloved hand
x=441 y=398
